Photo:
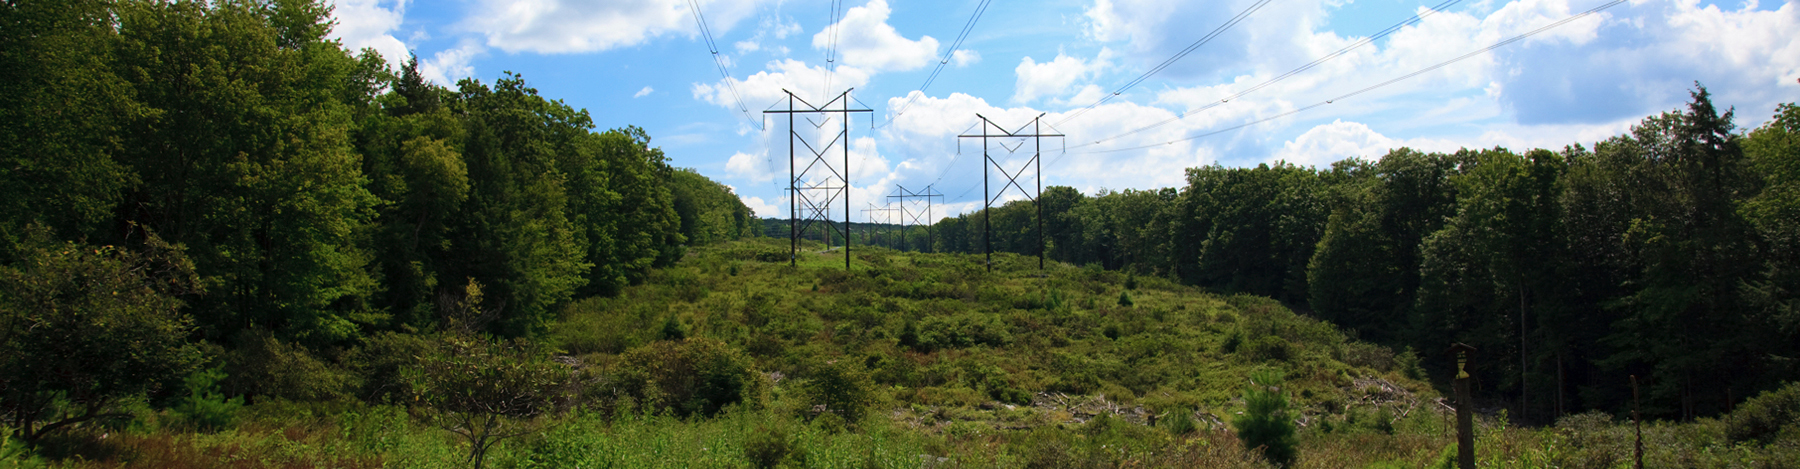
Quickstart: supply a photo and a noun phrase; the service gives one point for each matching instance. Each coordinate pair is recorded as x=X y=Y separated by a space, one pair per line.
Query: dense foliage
x=214 y=220
x=318 y=197
x=1668 y=253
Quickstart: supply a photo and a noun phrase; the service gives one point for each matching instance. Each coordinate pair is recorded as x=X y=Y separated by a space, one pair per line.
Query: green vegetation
x=1266 y=424
x=225 y=241
x=774 y=374
x=1669 y=253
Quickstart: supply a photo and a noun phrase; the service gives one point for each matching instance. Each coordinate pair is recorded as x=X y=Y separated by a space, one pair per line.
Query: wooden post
x=1465 y=408
x=1638 y=423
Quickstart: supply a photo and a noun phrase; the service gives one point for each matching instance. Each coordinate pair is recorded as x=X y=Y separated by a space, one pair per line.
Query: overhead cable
x=713 y=47
x=831 y=44
x=945 y=60
x=1415 y=73
x=1216 y=32
x=1309 y=66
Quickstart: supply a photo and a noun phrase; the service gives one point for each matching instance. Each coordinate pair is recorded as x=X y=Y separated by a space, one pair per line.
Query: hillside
x=938 y=330
x=732 y=358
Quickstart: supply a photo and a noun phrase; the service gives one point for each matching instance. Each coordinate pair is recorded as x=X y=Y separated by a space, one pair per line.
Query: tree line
x=255 y=188
x=1671 y=253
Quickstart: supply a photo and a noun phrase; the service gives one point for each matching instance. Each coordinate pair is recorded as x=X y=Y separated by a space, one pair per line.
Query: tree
x=514 y=234
x=1366 y=268
x=1773 y=293
x=61 y=108
x=486 y=391
x=1266 y=425
x=1250 y=230
x=1490 y=276
x=1692 y=249
x=243 y=155
x=83 y=327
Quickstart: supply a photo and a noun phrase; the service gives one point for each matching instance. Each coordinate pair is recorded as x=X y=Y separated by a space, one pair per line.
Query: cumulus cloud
x=964 y=58
x=644 y=92
x=569 y=26
x=776 y=26
x=754 y=168
x=762 y=208
x=765 y=87
x=449 y=65
x=1644 y=58
x=1154 y=30
x=1053 y=78
x=1580 y=83
x=371 y=24
x=927 y=134
x=1326 y=144
x=865 y=40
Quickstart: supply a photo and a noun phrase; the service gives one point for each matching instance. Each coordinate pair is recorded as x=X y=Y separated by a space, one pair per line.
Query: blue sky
x=644 y=63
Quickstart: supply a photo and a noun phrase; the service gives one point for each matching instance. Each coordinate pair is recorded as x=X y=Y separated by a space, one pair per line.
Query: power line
x=831 y=45
x=948 y=55
x=1415 y=73
x=1309 y=66
x=713 y=47
x=953 y=157
x=1171 y=60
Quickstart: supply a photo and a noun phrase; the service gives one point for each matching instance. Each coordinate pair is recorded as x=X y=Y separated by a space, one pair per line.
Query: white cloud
x=371 y=24
x=927 y=134
x=1328 y=143
x=764 y=87
x=568 y=26
x=865 y=40
x=754 y=168
x=1053 y=78
x=643 y=92
x=964 y=57
x=762 y=208
x=1580 y=83
x=450 y=65
x=1644 y=58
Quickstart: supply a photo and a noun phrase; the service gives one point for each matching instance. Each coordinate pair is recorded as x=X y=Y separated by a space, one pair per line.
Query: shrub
x=1266 y=423
x=1124 y=299
x=486 y=391
x=691 y=376
x=1765 y=415
x=1271 y=347
x=962 y=330
x=1232 y=342
x=1180 y=422
x=379 y=362
x=767 y=446
x=842 y=387
x=600 y=325
x=265 y=366
x=672 y=330
x=204 y=408
x=909 y=334
x=1408 y=364
x=85 y=328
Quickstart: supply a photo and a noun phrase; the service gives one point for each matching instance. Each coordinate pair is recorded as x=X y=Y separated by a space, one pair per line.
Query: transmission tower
x=1036 y=136
x=818 y=195
x=887 y=216
x=902 y=193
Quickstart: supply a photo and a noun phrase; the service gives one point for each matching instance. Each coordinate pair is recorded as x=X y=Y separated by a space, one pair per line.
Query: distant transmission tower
x=988 y=127
x=905 y=215
x=817 y=196
x=887 y=214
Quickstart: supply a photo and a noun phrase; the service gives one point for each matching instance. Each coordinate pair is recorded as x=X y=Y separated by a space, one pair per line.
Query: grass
x=965 y=368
